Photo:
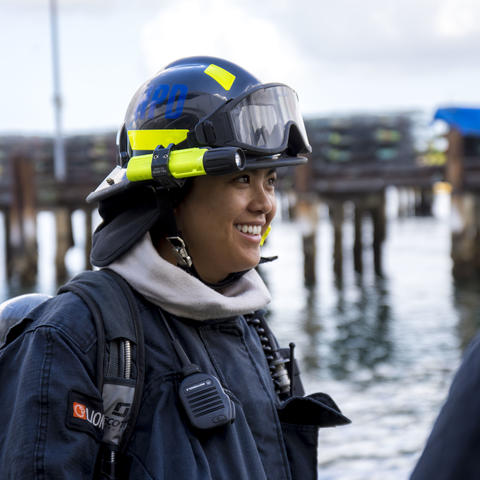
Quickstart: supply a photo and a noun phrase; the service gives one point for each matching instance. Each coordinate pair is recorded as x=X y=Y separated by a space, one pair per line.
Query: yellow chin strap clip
x=265 y=235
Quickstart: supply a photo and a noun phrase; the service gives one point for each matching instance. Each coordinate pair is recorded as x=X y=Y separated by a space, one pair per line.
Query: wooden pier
x=463 y=174
x=354 y=160
x=27 y=186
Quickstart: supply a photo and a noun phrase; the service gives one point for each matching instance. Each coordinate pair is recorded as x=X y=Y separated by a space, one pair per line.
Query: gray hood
x=183 y=295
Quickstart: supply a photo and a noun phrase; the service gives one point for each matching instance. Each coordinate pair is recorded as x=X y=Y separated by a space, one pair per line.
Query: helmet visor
x=261 y=121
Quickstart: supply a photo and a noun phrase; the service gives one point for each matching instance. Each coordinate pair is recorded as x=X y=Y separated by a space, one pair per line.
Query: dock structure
x=28 y=185
x=354 y=159
x=463 y=173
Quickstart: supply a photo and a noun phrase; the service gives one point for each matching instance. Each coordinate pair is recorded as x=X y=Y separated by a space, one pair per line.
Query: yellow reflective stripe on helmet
x=181 y=164
x=150 y=139
x=224 y=78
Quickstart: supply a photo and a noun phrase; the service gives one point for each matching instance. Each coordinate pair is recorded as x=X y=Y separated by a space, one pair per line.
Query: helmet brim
x=255 y=163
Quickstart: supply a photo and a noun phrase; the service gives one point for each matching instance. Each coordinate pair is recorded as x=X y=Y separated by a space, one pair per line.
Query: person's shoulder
x=473 y=348
x=67 y=314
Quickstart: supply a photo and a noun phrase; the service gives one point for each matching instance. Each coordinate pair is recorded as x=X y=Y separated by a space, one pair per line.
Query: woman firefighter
x=209 y=393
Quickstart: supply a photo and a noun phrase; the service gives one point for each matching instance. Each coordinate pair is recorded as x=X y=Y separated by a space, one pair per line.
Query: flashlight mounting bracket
x=160 y=172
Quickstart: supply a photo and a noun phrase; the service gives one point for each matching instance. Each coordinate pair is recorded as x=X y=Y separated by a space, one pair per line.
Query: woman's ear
x=180 y=194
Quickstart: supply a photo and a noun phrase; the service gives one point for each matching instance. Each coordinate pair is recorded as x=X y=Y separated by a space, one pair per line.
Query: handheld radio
x=203 y=398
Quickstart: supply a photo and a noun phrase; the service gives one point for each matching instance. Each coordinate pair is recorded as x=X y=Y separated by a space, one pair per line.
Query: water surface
x=384 y=348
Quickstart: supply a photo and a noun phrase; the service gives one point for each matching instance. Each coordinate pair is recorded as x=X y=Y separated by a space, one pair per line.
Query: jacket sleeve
x=50 y=409
x=453 y=447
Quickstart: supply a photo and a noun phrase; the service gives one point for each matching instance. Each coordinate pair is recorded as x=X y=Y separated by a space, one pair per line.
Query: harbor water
x=385 y=348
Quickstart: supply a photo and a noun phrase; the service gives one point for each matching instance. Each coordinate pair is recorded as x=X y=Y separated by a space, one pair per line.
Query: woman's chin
x=248 y=263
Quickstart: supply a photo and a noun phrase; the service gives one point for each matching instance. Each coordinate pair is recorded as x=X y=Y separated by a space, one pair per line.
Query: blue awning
x=466 y=120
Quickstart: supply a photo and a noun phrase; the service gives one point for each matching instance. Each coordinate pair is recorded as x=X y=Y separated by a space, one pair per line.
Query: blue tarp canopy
x=466 y=120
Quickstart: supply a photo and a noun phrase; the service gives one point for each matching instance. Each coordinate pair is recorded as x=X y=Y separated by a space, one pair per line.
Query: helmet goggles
x=265 y=120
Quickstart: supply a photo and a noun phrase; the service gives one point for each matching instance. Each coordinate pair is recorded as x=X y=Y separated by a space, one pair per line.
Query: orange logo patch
x=79 y=410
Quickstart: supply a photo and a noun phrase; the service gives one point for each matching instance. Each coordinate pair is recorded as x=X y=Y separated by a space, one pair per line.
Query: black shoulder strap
x=134 y=315
x=97 y=318
x=120 y=350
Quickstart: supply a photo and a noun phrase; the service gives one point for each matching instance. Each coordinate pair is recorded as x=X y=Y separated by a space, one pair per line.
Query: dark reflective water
x=384 y=348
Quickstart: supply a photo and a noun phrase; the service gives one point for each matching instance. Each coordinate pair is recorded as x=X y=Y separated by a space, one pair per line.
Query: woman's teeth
x=251 y=229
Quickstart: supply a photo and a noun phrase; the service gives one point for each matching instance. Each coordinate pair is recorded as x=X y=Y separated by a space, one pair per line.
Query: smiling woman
x=184 y=216
x=223 y=219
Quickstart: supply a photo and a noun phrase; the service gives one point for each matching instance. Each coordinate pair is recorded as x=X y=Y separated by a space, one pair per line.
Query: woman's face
x=223 y=218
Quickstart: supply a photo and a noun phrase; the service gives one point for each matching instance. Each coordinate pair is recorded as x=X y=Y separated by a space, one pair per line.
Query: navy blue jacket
x=50 y=359
x=452 y=451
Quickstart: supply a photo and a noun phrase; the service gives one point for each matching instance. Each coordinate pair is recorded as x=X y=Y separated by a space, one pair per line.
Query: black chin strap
x=181 y=253
x=230 y=278
x=174 y=237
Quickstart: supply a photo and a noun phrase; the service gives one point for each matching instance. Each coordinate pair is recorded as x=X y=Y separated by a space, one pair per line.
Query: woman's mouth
x=249 y=229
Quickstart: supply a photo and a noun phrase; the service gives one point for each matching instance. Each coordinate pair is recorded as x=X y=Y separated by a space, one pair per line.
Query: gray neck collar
x=183 y=295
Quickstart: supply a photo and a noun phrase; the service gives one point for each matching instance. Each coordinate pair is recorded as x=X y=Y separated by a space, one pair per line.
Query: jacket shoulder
x=67 y=314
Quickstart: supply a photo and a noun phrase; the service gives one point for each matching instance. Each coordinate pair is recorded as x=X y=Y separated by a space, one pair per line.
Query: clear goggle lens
x=262 y=119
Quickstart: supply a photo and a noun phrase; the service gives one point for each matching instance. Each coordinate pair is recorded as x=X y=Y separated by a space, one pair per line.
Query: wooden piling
x=377 y=212
x=64 y=236
x=423 y=202
x=8 y=247
x=465 y=208
x=455 y=168
x=21 y=229
x=358 y=239
x=309 y=259
x=337 y=217
x=306 y=214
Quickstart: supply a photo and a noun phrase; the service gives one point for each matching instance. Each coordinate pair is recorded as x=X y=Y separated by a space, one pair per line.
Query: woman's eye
x=272 y=181
x=243 y=179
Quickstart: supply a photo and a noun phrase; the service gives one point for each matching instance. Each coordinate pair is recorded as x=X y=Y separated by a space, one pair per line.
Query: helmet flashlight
x=170 y=167
x=224 y=160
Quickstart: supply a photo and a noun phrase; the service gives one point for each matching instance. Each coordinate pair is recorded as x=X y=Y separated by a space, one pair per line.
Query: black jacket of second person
x=452 y=451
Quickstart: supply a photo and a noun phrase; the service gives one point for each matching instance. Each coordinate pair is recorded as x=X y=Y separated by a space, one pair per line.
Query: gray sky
x=340 y=55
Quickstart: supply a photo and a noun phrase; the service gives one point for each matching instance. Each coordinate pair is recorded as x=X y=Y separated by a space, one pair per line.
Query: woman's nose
x=262 y=200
